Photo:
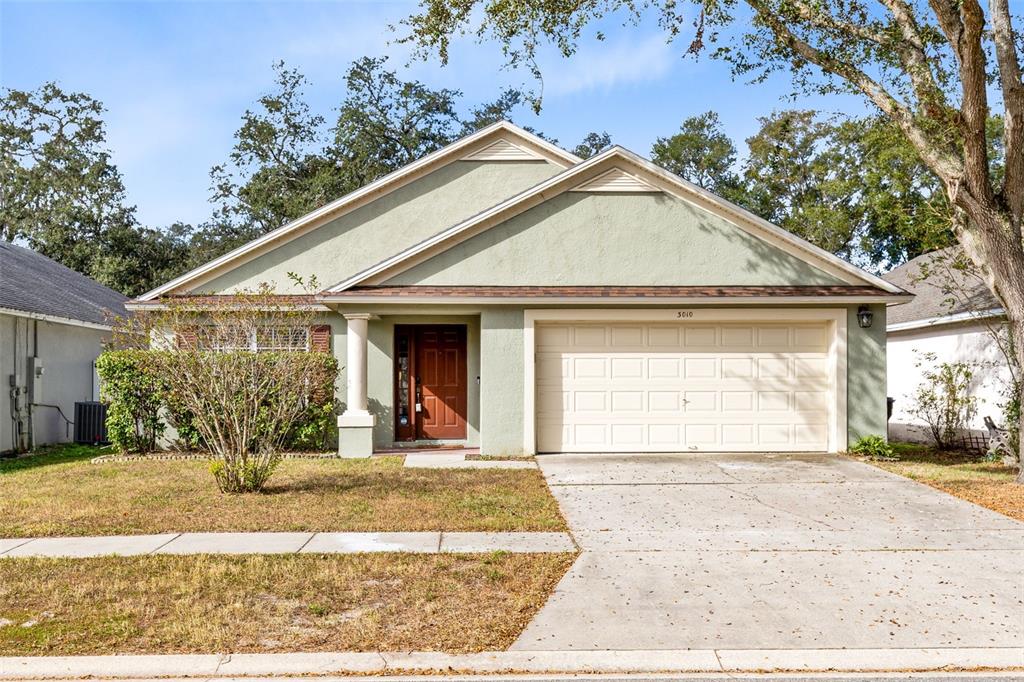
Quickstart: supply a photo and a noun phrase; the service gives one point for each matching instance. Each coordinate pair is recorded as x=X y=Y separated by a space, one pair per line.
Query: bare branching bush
x=943 y=400
x=241 y=367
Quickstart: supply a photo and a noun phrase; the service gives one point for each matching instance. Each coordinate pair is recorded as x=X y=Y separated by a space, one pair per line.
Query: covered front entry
x=686 y=384
x=430 y=382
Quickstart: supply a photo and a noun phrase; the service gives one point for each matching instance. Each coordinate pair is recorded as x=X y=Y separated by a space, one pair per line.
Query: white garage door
x=632 y=387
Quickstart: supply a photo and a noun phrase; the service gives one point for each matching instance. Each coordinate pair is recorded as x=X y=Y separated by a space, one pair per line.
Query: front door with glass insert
x=430 y=382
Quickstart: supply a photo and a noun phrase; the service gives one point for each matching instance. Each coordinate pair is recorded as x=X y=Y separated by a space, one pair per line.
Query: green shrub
x=874 y=447
x=943 y=401
x=140 y=406
x=134 y=397
x=1011 y=417
x=248 y=406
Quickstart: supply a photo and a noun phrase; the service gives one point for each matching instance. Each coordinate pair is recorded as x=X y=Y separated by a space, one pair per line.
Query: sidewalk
x=681 y=661
x=284 y=543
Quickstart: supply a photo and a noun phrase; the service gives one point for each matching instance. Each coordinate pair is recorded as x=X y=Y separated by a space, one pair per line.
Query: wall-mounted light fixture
x=865 y=317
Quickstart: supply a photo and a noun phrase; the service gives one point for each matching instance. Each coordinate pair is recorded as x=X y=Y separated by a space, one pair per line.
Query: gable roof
x=501 y=141
x=640 y=174
x=34 y=284
x=934 y=300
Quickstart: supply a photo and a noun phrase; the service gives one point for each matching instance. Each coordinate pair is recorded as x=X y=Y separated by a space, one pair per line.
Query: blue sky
x=176 y=77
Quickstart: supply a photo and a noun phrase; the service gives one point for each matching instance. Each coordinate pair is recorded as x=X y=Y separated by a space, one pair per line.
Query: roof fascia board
x=56 y=319
x=564 y=181
x=364 y=195
x=604 y=300
x=160 y=305
x=946 y=319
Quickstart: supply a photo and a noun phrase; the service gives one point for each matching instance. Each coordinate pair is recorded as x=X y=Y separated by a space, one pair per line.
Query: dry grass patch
x=989 y=484
x=61 y=493
x=203 y=604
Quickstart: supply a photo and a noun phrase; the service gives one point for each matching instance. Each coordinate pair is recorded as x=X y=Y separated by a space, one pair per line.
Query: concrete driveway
x=774 y=552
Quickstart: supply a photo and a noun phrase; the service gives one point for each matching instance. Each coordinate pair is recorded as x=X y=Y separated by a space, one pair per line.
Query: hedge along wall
x=140 y=407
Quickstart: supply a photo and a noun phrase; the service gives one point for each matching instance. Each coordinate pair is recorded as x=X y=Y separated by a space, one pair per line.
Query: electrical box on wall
x=35 y=379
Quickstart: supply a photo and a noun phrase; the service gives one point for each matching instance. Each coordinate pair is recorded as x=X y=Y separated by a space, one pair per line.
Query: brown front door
x=430 y=382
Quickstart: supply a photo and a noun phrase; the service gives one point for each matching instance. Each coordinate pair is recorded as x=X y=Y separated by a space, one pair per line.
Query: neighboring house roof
x=496 y=142
x=942 y=294
x=616 y=169
x=33 y=284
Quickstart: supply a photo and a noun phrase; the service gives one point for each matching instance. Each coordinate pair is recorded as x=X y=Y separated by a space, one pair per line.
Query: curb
x=422 y=663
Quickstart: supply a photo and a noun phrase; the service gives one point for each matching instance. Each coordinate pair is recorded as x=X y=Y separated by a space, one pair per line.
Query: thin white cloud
x=605 y=65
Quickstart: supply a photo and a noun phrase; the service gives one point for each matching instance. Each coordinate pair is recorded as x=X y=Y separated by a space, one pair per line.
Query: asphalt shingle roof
x=938 y=289
x=34 y=283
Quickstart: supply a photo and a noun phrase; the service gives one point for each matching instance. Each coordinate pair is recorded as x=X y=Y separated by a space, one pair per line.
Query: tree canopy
x=66 y=199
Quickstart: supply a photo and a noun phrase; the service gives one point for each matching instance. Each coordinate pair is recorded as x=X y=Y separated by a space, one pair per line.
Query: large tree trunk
x=1017 y=335
x=990 y=240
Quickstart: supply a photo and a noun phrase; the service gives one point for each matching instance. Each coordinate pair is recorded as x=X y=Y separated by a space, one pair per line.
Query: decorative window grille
x=264 y=339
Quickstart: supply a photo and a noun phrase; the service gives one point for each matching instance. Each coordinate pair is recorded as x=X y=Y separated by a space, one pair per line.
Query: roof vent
x=502 y=150
x=615 y=180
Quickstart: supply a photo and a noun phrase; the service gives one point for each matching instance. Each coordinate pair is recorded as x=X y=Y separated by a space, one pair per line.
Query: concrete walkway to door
x=774 y=552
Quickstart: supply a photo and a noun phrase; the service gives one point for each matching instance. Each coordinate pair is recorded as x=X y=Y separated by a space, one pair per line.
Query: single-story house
x=503 y=293
x=53 y=323
x=953 y=315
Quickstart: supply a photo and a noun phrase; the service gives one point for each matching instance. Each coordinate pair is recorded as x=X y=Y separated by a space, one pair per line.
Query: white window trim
x=835 y=317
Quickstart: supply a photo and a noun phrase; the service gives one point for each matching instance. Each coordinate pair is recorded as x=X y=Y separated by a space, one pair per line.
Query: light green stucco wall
x=386 y=226
x=866 y=376
x=495 y=354
x=614 y=239
x=501 y=377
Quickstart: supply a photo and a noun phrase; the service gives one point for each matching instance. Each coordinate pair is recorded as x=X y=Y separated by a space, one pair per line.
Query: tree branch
x=947 y=167
x=1013 y=103
x=962 y=22
x=915 y=61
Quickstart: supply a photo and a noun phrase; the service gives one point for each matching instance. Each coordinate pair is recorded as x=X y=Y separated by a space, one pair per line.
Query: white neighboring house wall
x=961 y=338
x=67 y=351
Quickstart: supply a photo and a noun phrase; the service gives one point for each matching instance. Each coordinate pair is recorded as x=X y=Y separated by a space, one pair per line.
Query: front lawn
x=204 y=604
x=989 y=484
x=62 y=493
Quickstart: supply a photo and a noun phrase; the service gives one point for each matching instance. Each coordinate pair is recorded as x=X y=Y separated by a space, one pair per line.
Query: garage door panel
x=628 y=401
x=774 y=368
x=627 y=368
x=700 y=368
x=738 y=436
x=628 y=337
x=738 y=337
x=661 y=387
x=700 y=401
x=590 y=337
x=738 y=368
x=664 y=401
x=773 y=401
x=695 y=337
x=629 y=436
x=557 y=336
x=773 y=337
x=663 y=337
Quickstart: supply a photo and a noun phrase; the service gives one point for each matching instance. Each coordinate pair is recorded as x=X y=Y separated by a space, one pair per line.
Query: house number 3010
x=684 y=314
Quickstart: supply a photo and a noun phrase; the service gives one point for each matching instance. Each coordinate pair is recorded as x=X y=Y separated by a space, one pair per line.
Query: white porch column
x=355 y=426
x=355 y=348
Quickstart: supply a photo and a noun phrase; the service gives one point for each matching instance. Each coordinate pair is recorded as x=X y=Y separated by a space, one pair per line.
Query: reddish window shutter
x=320 y=338
x=186 y=339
